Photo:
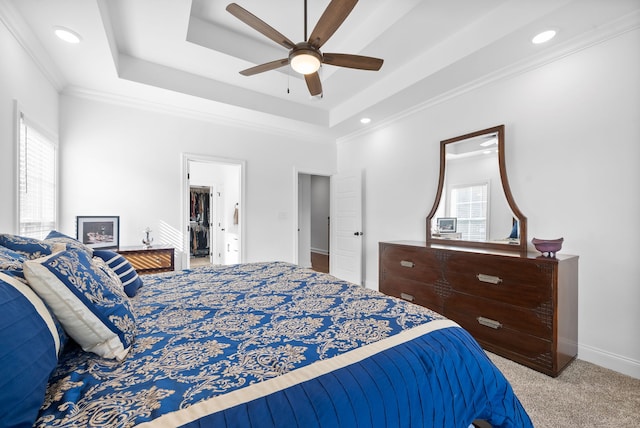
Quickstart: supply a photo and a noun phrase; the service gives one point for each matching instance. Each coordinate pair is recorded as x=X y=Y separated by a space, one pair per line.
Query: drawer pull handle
x=489 y=278
x=407 y=297
x=487 y=322
x=406 y=263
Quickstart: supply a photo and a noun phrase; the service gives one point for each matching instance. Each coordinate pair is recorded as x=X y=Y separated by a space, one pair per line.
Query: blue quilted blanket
x=274 y=345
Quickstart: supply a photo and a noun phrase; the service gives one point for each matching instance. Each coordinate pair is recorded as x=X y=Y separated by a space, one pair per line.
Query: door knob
x=358 y=233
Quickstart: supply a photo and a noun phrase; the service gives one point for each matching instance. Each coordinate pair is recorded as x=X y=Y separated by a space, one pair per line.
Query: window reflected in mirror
x=473 y=189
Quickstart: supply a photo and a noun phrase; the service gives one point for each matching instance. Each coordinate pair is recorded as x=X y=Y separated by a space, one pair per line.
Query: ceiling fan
x=306 y=57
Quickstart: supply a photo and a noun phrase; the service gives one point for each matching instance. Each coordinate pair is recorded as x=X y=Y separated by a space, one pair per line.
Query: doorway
x=314 y=223
x=212 y=210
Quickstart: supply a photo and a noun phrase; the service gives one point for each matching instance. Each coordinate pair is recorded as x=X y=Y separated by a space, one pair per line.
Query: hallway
x=320 y=262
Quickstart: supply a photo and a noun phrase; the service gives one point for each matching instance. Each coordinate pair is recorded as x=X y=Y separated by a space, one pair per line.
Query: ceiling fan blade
x=259 y=25
x=265 y=67
x=352 y=61
x=313 y=83
x=333 y=16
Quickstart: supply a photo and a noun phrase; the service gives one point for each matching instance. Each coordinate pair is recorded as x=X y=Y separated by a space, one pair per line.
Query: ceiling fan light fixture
x=305 y=61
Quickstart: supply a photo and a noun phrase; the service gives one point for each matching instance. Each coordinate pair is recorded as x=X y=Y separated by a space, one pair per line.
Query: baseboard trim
x=609 y=360
x=319 y=251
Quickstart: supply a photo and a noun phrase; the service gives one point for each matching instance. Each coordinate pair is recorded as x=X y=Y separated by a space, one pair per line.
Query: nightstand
x=155 y=259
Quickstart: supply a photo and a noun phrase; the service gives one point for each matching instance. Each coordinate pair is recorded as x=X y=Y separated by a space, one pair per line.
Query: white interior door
x=220 y=226
x=345 y=261
x=213 y=212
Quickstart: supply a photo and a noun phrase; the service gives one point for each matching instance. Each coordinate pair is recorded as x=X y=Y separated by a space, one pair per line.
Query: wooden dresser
x=522 y=307
x=149 y=260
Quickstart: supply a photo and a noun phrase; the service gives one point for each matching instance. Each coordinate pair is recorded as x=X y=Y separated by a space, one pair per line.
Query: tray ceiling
x=188 y=54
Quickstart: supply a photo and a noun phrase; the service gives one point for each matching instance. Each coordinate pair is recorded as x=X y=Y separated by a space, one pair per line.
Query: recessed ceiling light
x=544 y=37
x=67 y=35
x=365 y=120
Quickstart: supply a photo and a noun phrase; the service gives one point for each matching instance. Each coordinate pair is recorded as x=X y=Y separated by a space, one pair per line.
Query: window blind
x=469 y=205
x=36 y=181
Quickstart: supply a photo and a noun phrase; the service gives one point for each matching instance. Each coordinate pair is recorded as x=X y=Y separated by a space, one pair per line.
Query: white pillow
x=90 y=305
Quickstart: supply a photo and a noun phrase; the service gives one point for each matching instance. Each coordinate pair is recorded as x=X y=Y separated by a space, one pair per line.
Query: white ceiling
x=186 y=54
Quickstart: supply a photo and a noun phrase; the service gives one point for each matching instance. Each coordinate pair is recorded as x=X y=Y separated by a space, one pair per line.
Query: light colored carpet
x=199 y=261
x=584 y=395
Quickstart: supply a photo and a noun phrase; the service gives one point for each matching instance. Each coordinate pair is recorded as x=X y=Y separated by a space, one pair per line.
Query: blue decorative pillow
x=90 y=304
x=11 y=263
x=127 y=274
x=29 y=346
x=56 y=237
x=31 y=248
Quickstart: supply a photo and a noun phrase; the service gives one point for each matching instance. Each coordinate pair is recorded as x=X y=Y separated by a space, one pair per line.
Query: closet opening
x=201 y=240
x=212 y=211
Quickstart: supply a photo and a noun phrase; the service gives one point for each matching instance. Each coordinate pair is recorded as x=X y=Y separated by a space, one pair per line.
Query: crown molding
x=263 y=124
x=596 y=36
x=18 y=28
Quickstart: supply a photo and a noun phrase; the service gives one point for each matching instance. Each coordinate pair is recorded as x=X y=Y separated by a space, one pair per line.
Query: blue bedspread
x=271 y=344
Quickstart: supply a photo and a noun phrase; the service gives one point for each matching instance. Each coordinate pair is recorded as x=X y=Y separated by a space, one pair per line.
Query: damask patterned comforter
x=275 y=345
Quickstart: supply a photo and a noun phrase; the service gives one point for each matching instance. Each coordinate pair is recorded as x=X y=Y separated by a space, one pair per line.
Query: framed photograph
x=447 y=224
x=98 y=231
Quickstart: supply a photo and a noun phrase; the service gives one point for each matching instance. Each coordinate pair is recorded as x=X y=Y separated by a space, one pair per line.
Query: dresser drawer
x=413 y=291
x=516 y=344
x=500 y=278
x=412 y=263
x=150 y=260
x=155 y=260
x=492 y=315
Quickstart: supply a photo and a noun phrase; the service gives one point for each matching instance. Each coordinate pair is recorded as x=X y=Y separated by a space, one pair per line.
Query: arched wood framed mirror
x=474 y=206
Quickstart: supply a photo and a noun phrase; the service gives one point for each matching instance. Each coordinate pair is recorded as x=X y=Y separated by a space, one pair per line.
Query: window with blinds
x=37 y=193
x=469 y=206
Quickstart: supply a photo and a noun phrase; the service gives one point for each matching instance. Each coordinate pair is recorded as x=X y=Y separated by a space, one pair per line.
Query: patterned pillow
x=29 y=345
x=11 y=263
x=31 y=248
x=56 y=237
x=127 y=274
x=91 y=306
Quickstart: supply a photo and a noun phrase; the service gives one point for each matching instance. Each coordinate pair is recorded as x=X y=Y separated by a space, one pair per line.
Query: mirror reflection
x=474 y=202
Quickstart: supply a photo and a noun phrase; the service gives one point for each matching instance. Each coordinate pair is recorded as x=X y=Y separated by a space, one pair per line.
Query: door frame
x=184 y=218
x=296 y=173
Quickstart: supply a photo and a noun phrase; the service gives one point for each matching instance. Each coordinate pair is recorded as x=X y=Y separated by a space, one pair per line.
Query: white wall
x=572 y=155
x=118 y=160
x=21 y=80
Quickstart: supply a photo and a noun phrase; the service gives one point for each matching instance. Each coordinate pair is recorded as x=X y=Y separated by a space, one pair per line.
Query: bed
x=275 y=345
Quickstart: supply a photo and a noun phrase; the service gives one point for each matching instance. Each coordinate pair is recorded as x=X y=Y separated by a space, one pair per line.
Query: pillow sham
x=127 y=274
x=71 y=243
x=91 y=306
x=11 y=263
x=31 y=248
x=29 y=347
